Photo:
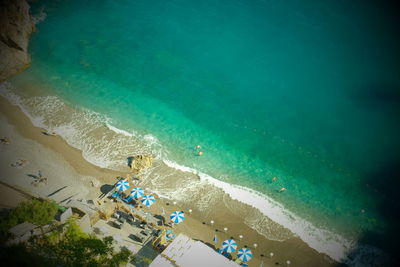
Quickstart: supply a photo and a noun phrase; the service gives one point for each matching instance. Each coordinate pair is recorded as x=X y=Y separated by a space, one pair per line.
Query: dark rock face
x=16 y=26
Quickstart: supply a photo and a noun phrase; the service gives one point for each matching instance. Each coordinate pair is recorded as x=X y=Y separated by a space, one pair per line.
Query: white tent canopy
x=186 y=252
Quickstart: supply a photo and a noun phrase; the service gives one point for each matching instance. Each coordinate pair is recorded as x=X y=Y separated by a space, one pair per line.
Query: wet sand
x=65 y=166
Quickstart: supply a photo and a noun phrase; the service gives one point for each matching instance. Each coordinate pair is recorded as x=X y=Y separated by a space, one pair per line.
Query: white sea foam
x=104 y=151
x=85 y=130
x=117 y=130
x=322 y=240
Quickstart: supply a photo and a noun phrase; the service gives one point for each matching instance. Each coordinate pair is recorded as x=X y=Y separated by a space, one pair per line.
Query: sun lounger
x=115 y=195
x=128 y=199
x=118 y=224
x=138 y=237
x=122 y=219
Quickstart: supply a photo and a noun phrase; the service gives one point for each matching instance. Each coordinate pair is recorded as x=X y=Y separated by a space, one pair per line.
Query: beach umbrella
x=137 y=192
x=215 y=239
x=229 y=245
x=244 y=254
x=177 y=216
x=148 y=200
x=122 y=185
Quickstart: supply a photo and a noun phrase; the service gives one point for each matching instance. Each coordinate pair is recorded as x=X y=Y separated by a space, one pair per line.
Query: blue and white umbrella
x=244 y=254
x=122 y=185
x=148 y=200
x=137 y=192
x=229 y=245
x=177 y=216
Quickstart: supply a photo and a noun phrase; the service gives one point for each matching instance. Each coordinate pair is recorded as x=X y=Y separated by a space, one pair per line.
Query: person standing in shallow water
x=199 y=153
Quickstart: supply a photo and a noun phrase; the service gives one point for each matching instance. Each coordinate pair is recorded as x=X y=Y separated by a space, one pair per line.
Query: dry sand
x=66 y=169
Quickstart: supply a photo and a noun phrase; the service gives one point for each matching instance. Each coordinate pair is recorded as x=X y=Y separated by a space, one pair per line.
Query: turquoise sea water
x=306 y=92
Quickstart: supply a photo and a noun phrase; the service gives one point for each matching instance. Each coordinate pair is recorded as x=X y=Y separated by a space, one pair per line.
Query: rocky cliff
x=140 y=163
x=16 y=26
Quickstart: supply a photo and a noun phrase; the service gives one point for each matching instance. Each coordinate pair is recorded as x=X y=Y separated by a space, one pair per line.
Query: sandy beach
x=65 y=168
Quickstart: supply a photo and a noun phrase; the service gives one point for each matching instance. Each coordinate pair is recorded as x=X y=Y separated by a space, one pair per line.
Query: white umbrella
x=122 y=185
x=229 y=245
x=177 y=216
x=137 y=192
x=148 y=200
x=245 y=254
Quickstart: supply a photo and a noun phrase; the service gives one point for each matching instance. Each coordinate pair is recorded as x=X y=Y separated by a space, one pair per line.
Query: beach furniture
x=127 y=199
x=229 y=245
x=215 y=239
x=122 y=185
x=244 y=254
x=177 y=216
x=118 y=224
x=137 y=237
x=137 y=192
x=148 y=200
x=116 y=215
x=122 y=219
x=115 y=195
x=145 y=233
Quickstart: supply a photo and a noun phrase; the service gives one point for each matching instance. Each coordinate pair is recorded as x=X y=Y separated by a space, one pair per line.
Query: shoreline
x=101 y=143
x=294 y=248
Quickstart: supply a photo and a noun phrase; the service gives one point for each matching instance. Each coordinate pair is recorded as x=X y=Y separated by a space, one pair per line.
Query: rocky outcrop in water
x=16 y=26
x=140 y=163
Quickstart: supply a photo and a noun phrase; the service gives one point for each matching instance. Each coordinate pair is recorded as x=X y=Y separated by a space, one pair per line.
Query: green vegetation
x=66 y=246
x=39 y=212
x=147 y=260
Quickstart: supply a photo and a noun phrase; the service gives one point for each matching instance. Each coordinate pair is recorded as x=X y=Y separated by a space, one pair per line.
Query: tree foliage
x=66 y=246
x=75 y=248
x=39 y=212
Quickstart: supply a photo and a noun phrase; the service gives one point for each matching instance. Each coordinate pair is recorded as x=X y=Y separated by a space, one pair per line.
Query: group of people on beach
x=39 y=179
x=5 y=140
x=20 y=163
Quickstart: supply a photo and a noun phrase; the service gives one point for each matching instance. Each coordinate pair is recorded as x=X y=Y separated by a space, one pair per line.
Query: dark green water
x=306 y=92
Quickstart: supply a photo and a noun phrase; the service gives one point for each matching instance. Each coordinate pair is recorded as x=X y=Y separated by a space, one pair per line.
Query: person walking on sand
x=40 y=174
